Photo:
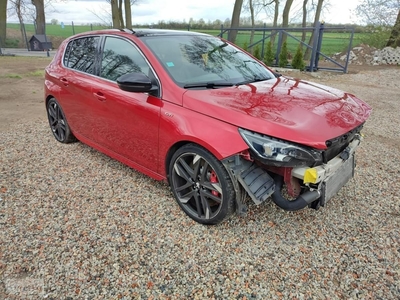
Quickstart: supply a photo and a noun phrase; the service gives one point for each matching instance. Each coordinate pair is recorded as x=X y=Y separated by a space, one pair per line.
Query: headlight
x=280 y=153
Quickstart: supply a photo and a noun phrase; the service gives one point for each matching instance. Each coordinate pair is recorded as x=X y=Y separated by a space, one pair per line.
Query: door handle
x=100 y=96
x=64 y=81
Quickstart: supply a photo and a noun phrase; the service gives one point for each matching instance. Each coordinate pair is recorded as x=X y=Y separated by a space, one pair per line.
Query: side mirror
x=135 y=82
x=276 y=74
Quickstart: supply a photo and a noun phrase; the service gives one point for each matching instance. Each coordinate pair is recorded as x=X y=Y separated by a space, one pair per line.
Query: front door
x=127 y=122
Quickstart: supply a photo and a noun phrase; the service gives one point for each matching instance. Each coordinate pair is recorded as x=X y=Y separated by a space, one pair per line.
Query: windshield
x=197 y=61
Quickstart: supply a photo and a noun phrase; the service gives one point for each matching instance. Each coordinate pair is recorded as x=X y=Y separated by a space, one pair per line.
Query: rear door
x=76 y=94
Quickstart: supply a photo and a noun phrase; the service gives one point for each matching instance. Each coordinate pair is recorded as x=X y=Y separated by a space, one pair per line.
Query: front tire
x=58 y=123
x=201 y=185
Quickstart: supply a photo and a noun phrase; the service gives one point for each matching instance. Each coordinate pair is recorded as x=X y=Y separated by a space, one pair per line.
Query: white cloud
x=153 y=11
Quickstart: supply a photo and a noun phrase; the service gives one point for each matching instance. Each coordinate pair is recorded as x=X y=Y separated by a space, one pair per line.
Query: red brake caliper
x=214 y=179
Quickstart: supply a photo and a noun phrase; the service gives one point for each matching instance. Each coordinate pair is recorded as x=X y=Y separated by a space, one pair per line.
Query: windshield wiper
x=256 y=79
x=217 y=48
x=207 y=85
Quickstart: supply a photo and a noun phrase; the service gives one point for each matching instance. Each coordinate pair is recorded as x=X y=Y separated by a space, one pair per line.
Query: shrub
x=257 y=52
x=283 y=56
x=269 y=56
x=376 y=36
x=298 y=62
x=245 y=47
x=12 y=43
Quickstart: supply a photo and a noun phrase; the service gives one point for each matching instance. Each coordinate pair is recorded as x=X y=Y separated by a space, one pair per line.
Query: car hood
x=289 y=109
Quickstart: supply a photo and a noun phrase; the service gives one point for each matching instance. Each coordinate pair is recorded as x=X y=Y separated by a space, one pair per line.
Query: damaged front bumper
x=319 y=184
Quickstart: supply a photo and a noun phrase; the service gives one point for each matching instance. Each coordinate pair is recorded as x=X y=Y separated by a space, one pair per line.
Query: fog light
x=310 y=176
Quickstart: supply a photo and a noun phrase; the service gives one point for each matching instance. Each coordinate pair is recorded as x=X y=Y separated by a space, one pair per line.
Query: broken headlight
x=271 y=151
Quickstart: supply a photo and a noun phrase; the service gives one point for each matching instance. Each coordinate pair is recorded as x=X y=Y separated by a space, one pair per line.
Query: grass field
x=333 y=42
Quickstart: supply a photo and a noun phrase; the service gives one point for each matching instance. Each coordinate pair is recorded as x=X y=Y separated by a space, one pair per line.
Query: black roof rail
x=127 y=30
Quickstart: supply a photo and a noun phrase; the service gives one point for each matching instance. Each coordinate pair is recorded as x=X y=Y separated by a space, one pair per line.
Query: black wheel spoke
x=203 y=172
x=53 y=123
x=183 y=187
x=52 y=111
x=197 y=159
x=59 y=113
x=212 y=186
x=60 y=133
x=205 y=206
x=62 y=126
x=183 y=170
x=198 y=205
x=207 y=194
x=186 y=197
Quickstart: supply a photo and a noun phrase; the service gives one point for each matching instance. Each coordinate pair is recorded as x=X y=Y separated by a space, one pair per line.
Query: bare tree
x=19 y=6
x=316 y=20
x=128 y=13
x=378 y=12
x=235 y=19
x=115 y=14
x=3 y=22
x=285 y=16
x=384 y=13
x=304 y=20
x=40 y=18
x=394 y=39
x=251 y=7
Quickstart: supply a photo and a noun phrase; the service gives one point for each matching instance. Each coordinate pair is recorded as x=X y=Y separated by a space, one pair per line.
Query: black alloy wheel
x=201 y=185
x=58 y=122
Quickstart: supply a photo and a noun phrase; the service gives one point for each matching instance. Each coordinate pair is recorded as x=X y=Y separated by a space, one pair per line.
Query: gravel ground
x=78 y=225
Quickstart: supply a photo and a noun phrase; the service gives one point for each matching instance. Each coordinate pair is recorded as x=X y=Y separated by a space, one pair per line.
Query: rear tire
x=58 y=123
x=201 y=185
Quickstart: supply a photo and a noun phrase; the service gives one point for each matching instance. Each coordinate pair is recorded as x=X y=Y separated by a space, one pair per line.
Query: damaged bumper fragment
x=319 y=184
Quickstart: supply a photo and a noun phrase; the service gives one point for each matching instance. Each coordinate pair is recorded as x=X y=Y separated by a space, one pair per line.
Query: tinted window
x=80 y=54
x=121 y=57
x=198 y=59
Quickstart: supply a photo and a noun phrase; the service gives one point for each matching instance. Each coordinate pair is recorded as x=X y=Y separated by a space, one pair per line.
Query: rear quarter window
x=80 y=54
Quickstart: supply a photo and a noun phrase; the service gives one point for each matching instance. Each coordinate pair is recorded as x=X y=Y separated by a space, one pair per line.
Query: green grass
x=39 y=73
x=15 y=76
x=333 y=42
x=56 y=30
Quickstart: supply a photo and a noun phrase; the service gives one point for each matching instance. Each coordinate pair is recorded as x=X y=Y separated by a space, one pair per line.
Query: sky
x=153 y=11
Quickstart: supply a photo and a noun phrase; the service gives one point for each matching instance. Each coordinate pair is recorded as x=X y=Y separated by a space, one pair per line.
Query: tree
x=21 y=9
x=269 y=56
x=304 y=20
x=394 y=39
x=283 y=56
x=316 y=20
x=252 y=23
x=297 y=61
x=382 y=13
x=235 y=20
x=285 y=16
x=117 y=13
x=378 y=12
x=40 y=19
x=128 y=14
x=3 y=22
x=116 y=22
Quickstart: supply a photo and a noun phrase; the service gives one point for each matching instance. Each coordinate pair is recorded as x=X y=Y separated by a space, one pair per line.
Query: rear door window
x=80 y=54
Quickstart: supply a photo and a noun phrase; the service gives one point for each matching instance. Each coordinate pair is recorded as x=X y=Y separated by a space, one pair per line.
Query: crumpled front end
x=294 y=176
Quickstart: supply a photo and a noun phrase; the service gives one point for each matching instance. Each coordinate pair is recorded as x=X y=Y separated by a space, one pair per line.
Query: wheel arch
x=47 y=99
x=182 y=143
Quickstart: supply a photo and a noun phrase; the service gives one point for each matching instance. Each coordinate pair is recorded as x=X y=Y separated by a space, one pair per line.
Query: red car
x=208 y=117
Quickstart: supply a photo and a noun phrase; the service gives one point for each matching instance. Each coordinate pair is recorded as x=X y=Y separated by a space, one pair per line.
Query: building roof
x=40 y=37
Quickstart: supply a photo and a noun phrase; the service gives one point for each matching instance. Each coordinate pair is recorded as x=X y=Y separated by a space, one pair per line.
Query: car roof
x=140 y=32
